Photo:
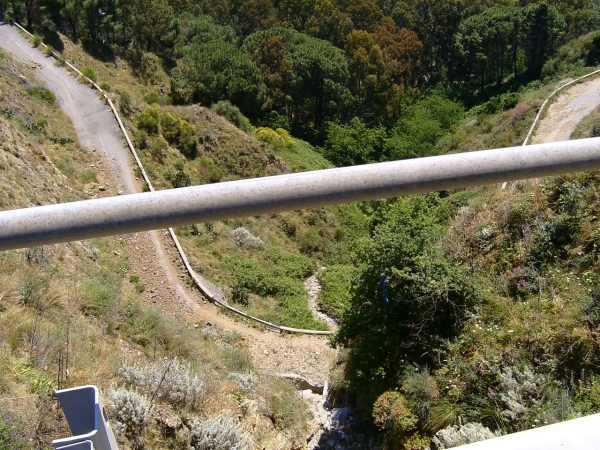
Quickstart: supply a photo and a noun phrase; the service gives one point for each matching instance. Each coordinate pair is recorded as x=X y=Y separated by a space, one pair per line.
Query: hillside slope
x=109 y=305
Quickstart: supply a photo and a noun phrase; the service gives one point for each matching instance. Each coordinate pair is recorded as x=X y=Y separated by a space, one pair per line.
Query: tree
x=152 y=24
x=421 y=126
x=487 y=44
x=541 y=32
x=319 y=73
x=216 y=71
x=407 y=299
x=364 y=13
x=355 y=143
x=278 y=74
x=202 y=29
x=383 y=65
x=329 y=23
x=436 y=22
x=255 y=15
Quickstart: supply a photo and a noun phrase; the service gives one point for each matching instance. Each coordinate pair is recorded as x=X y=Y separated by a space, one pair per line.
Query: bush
x=131 y=413
x=240 y=295
x=42 y=93
x=209 y=333
x=125 y=103
x=181 y=179
x=157 y=147
x=180 y=387
x=391 y=413
x=336 y=284
x=90 y=73
x=101 y=293
x=460 y=435
x=245 y=381
x=37 y=40
x=148 y=120
x=278 y=138
x=209 y=170
x=220 y=433
x=105 y=86
x=170 y=126
x=242 y=236
x=233 y=114
x=286 y=409
x=187 y=141
x=10 y=437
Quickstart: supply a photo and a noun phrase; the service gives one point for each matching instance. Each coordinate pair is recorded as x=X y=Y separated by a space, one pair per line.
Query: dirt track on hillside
x=152 y=255
x=567 y=110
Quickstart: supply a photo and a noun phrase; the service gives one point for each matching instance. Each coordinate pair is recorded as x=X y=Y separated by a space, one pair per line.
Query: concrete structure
x=87 y=419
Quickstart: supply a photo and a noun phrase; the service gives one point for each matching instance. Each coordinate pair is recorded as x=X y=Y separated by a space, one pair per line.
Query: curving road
x=566 y=111
x=94 y=123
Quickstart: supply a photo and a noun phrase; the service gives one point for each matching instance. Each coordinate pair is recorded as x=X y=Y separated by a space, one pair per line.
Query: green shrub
x=88 y=176
x=157 y=147
x=10 y=433
x=284 y=406
x=90 y=73
x=42 y=93
x=336 y=284
x=105 y=86
x=209 y=170
x=291 y=265
x=37 y=40
x=181 y=179
x=101 y=293
x=170 y=126
x=125 y=103
x=309 y=240
x=240 y=295
x=148 y=120
x=187 y=141
x=233 y=114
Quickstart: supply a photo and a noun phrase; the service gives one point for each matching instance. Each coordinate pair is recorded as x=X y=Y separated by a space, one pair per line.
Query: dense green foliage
x=302 y=65
x=406 y=292
x=278 y=275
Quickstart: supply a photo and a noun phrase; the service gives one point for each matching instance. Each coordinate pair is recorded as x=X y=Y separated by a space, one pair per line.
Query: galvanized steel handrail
x=268 y=195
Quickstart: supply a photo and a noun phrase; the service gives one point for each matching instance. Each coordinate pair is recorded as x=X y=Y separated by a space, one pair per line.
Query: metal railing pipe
x=175 y=207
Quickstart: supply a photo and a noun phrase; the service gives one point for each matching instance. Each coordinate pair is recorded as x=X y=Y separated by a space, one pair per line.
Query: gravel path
x=152 y=255
x=567 y=111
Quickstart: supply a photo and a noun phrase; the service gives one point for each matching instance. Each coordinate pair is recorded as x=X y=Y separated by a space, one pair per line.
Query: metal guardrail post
x=87 y=419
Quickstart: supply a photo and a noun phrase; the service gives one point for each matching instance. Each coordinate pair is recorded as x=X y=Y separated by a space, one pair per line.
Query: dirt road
x=152 y=255
x=567 y=110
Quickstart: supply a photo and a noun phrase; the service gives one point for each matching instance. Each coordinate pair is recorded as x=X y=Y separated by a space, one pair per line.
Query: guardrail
x=207 y=203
